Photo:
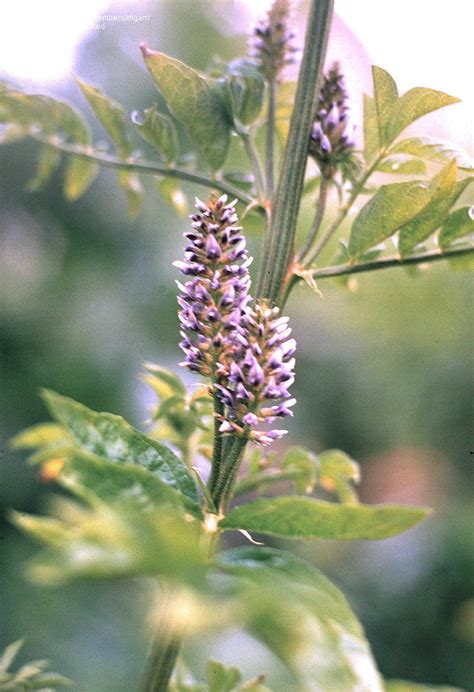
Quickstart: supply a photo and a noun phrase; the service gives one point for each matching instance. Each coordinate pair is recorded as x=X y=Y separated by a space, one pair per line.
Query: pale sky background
x=421 y=42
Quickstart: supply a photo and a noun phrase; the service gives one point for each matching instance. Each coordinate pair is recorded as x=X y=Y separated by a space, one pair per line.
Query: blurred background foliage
x=86 y=295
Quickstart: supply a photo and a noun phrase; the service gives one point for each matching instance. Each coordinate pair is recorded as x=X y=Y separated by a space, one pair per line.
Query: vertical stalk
x=163 y=653
x=280 y=246
x=270 y=139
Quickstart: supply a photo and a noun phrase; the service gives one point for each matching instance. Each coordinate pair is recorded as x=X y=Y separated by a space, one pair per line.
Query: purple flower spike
x=212 y=302
x=260 y=375
x=244 y=350
x=329 y=144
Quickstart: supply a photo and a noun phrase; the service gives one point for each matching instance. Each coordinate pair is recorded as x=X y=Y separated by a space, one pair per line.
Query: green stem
x=147 y=167
x=255 y=162
x=279 y=248
x=229 y=469
x=163 y=653
x=320 y=209
x=270 y=138
x=217 y=448
x=388 y=262
x=358 y=187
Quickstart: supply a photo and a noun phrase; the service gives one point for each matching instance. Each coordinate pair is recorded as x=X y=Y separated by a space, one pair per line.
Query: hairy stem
x=279 y=246
x=163 y=652
x=270 y=138
x=147 y=168
x=217 y=447
x=230 y=466
x=320 y=209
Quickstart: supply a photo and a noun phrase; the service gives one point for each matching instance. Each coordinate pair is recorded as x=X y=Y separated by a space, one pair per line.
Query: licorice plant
x=139 y=507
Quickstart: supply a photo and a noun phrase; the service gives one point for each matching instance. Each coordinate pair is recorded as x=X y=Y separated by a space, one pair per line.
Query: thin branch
x=147 y=168
x=255 y=162
x=388 y=262
x=320 y=209
x=270 y=138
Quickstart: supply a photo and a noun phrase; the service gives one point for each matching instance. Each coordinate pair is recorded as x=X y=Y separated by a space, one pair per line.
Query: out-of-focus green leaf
x=402 y=165
x=112 y=118
x=245 y=88
x=78 y=177
x=33 y=114
x=458 y=224
x=115 y=540
x=432 y=150
x=133 y=189
x=222 y=679
x=31 y=676
x=49 y=159
x=111 y=437
x=393 y=206
x=337 y=472
x=386 y=97
x=38 y=436
x=413 y=105
x=371 y=130
x=303 y=517
x=405 y=686
x=172 y=192
x=165 y=382
x=303 y=465
x=158 y=130
x=195 y=103
x=420 y=228
x=304 y=619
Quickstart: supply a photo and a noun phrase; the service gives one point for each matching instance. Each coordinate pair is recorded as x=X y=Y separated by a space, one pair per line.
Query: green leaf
x=115 y=540
x=392 y=207
x=304 y=619
x=420 y=228
x=245 y=90
x=402 y=165
x=222 y=679
x=111 y=116
x=48 y=161
x=92 y=478
x=30 y=676
x=39 y=435
x=458 y=224
x=158 y=130
x=337 y=472
x=194 y=102
x=303 y=517
x=111 y=437
x=303 y=465
x=386 y=97
x=413 y=105
x=173 y=193
x=79 y=176
x=371 y=130
x=432 y=150
x=404 y=686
